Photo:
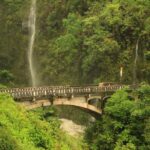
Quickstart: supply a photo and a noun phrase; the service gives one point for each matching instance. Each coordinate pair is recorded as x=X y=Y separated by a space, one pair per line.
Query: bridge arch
x=44 y=103
x=94 y=98
x=95 y=101
x=106 y=97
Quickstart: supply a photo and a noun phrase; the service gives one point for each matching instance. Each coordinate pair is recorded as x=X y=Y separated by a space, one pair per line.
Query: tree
x=6 y=77
x=124 y=123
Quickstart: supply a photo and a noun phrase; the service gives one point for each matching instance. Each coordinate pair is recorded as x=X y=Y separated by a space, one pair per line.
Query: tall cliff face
x=77 y=41
x=14 y=38
x=82 y=42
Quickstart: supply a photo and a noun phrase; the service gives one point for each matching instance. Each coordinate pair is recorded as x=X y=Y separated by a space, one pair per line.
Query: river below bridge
x=72 y=128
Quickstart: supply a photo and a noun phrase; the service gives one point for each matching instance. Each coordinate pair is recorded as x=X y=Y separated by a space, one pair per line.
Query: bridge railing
x=29 y=92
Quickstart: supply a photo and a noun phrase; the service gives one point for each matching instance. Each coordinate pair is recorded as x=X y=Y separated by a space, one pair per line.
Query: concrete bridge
x=91 y=98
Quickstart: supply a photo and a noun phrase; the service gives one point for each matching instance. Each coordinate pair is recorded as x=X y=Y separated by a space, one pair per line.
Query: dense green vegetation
x=77 y=41
x=89 y=40
x=13 y=40
x=125 y=124
x=22 y=130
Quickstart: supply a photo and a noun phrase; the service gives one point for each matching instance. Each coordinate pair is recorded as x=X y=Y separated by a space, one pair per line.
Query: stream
x=72 y=128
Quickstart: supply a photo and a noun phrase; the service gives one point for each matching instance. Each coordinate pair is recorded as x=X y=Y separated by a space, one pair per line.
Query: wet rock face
x=71 y=128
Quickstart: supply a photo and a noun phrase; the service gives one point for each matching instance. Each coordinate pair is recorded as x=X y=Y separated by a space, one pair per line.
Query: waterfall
x=135 y=62
x=32 y=29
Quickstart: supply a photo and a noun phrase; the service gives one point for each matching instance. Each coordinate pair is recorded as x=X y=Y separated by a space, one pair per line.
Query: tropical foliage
x=22 y=130
x=77 y=41
x=125 y=123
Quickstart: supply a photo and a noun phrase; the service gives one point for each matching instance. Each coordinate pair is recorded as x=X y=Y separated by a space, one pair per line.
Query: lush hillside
x=77 y=41
x=125 y=124
x=22 y=130
x=13 y=40
x=87 y=41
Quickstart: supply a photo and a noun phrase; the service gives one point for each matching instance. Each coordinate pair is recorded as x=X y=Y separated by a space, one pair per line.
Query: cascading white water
x=135 y=62
x=32 y=29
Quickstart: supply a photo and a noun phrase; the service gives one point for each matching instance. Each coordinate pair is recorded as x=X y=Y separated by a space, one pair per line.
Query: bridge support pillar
x=51 y=101
x=34 y=99
x=72 y=96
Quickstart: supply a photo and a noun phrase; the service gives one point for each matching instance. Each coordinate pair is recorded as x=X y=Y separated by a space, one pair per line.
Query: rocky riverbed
x=72 y=128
